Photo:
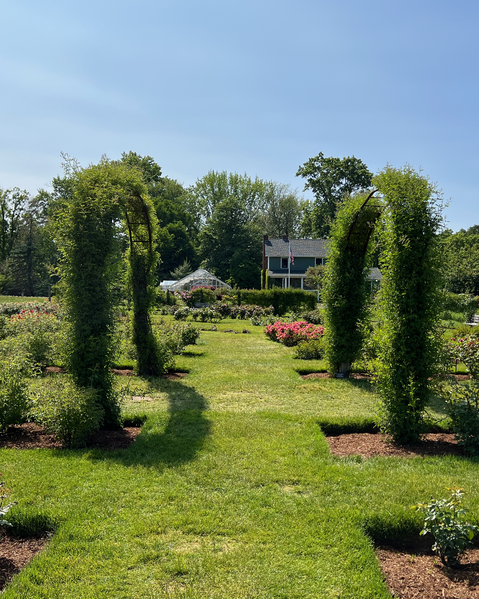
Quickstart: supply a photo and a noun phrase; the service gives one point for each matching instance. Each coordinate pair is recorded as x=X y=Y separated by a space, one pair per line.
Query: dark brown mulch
x=15 y=555
x=413 y=571
x=421 y=575
x=375 y=444
x=32 y=436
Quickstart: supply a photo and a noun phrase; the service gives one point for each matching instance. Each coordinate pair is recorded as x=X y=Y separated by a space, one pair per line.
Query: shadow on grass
x=171 y=444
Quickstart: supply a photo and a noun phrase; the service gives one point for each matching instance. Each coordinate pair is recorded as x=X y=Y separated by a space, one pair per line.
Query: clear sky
x=255 y=87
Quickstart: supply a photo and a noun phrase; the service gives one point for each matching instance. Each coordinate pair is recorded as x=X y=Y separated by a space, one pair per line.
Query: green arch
x=409 y=296
x=103 y=200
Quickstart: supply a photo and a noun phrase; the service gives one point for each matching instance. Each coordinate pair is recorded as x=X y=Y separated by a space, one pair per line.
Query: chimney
x=285 y=238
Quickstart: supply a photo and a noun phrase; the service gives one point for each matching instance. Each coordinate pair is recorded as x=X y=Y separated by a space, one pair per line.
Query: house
x=287 y=260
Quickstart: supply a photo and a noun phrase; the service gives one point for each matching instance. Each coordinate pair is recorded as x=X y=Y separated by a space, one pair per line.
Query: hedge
x=282 y=300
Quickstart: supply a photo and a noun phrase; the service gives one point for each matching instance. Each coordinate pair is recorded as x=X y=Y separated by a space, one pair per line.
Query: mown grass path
x=229 y=491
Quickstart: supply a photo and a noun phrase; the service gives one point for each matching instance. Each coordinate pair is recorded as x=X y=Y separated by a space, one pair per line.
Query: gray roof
x=307 y=248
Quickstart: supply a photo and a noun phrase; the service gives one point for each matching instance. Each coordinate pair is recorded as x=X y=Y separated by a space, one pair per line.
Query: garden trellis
x=100 y=198
x=410 y=212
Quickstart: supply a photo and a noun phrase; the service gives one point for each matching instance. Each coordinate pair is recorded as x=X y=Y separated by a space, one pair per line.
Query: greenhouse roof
x=199 y=277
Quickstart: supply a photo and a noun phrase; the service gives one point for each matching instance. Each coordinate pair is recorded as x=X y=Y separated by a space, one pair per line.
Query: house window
x=284 y=262
x=319 y=261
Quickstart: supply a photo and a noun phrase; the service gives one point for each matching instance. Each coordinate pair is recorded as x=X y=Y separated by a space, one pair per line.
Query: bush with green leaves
x=181 y=313
x=14 y=399
x=466 y=350
x=41 y=334
x=165 y=298
x=282 y=300
x=70 y=413
x=462 y=405
x=310 y=350
x=463 y=303
x=5 y=507
x=444 y=519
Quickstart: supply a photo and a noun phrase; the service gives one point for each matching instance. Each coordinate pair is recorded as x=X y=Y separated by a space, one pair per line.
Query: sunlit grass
x=229 y=491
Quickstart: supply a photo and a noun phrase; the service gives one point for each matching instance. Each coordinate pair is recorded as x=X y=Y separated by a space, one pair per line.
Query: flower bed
x=291 y=333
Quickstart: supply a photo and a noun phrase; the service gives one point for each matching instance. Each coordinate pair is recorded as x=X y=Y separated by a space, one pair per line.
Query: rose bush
x=291 y=333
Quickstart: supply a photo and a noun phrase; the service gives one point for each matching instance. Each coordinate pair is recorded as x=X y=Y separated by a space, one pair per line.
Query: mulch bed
x=369 y=445
x=15 y=555
x=413 y=571
x=32 y=436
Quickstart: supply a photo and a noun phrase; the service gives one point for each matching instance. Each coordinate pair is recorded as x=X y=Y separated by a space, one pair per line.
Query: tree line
x=217 y=223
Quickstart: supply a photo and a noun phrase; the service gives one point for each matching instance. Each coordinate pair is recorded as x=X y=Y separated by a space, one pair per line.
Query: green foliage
x=182 y=271
x=165 y=298
x=331 y=180
x=461 y=262
x=41 y=334
x=66 y=411
x=466 y=350
x=462 y=406
x=310 y=350
x=443 y=518
x=315 y=277
x=409 y=300
x=282 y=300
x=202 y=295
x=460 y=302
x=95 y=201
x=5 y=507
x=346 y=288
x=14 y=400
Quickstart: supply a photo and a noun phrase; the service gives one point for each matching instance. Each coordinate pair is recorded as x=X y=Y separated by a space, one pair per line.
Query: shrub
x=443 y=518
x=291 y=333
x=460 y=302
x=189 y=335
x=165 y=298
x=462 y=404
x=466 y=350
x=14 y=401
x=282 y=300
x=181 y=313
x=66 y=411
x=310 y=350
x=39 y=332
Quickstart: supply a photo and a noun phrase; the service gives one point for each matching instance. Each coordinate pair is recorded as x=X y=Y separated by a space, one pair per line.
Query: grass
x=230 y=490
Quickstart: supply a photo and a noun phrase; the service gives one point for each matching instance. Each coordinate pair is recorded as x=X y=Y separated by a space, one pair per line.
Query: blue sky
x=252 y=87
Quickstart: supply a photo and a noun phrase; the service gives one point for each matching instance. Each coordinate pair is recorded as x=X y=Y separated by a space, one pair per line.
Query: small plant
x=444 y=519
x=462 y=405
x=310 y=350
x=14 y=400
x=4 y=495
x=71 y=413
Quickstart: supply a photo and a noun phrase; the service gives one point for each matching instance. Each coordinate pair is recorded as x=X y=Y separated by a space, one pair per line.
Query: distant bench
x=474 y=321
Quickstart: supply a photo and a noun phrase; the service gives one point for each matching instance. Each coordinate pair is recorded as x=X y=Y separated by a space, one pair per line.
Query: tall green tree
x=461 y=261
x=330 y=179
x=230 y=245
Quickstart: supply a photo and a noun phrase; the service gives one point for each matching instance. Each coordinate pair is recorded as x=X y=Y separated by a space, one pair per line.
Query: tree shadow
x=176 y=443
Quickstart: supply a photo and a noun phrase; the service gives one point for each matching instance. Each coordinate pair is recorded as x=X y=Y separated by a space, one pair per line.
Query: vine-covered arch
x=104 y=199
x=409 y=295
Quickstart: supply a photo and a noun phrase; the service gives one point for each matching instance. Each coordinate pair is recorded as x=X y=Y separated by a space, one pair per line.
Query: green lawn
x=230 y=490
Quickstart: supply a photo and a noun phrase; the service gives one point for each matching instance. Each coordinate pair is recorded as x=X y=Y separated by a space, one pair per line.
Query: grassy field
x=229 y=491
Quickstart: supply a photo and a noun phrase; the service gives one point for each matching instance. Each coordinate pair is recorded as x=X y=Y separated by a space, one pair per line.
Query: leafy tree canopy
x=330 y=179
